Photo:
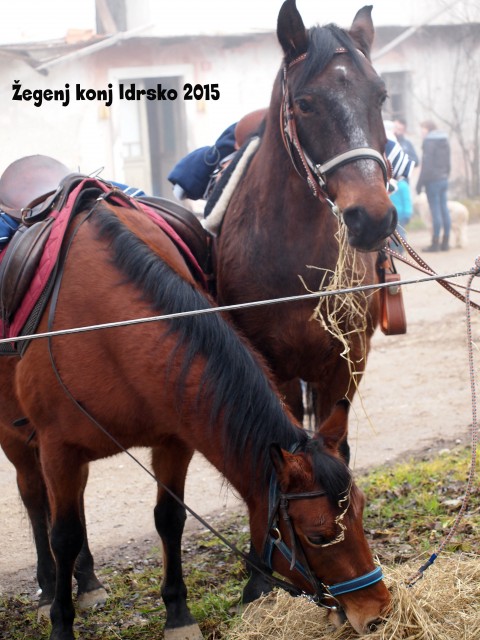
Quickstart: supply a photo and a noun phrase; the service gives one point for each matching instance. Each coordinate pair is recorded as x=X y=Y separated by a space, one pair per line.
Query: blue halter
x=279 y=502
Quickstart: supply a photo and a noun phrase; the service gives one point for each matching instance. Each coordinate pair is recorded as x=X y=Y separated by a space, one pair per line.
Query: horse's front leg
x=65 y=482
x=258 y=583
x=170 y=464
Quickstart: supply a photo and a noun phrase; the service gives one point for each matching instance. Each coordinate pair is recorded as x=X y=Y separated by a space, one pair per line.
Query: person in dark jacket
x=434 y=173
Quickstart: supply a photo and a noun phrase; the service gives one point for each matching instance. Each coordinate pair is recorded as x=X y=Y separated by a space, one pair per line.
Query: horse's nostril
x=366 y=233
x=354 y=218
x=373 y=625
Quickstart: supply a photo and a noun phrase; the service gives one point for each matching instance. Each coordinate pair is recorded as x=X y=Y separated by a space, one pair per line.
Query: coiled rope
x=474 y=271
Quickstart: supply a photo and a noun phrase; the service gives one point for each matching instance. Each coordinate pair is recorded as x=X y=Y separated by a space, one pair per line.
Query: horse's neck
x=273 y=176
x=275 y=209
x=241 y=474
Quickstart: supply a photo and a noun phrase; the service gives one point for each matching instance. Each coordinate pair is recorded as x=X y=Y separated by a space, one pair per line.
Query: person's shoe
x=435 y=246
x=444 y=245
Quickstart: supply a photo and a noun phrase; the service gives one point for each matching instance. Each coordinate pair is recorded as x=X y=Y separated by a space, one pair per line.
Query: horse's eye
x=317 y=540
x=304 y=105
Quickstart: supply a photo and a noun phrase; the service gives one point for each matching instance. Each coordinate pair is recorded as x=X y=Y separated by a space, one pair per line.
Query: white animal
x=459 y=215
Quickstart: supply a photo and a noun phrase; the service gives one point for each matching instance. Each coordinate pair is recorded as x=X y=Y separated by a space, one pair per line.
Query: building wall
x=76 y=133
x=442 y=69
x=86 y=135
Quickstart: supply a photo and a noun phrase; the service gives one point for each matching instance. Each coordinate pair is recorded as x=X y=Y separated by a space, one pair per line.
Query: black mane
x=322 y=45
x=239 y=391
x=332 y=473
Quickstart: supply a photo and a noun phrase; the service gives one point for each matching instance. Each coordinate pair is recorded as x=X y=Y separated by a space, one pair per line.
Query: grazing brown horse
x=179 y=385
x=320 y=158
x=17 y=439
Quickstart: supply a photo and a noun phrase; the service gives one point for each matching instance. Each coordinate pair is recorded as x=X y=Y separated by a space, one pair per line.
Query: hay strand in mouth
x=346 y=316
x=444 y=605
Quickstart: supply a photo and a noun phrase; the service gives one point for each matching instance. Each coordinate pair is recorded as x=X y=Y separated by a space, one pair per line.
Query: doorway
x=152 y=135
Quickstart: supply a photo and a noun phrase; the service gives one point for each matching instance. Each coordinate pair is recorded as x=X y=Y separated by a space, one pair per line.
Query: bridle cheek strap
x=316 y=174
x=278 y=505
x=292 y=144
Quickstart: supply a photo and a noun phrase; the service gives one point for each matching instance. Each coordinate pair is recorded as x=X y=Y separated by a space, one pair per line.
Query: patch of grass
x=410 y=507
x=135 y=610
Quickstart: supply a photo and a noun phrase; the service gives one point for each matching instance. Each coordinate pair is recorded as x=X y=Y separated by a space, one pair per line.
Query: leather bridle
x=314 y=173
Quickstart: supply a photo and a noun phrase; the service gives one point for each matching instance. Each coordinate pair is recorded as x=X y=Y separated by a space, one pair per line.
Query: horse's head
x=316 y=536
x=331 y=111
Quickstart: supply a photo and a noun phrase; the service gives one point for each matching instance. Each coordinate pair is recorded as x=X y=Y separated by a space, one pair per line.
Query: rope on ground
x=474 y=271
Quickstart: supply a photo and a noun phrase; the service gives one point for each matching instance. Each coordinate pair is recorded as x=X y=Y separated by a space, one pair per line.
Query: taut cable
x=233 y=307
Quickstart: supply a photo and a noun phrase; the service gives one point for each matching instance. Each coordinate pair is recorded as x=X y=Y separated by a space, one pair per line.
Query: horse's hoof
x=43 y=611
x=89 y=599
x=190 y=632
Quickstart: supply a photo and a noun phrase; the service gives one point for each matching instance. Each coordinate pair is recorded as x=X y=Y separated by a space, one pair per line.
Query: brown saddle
x=30 y=188
x=186 y=225
x=19 y=264
x=29 y=185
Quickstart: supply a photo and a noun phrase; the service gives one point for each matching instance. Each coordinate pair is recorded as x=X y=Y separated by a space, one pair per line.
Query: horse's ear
x=333 y=430
x=286 y=466
x=291 y=31
x=362 y=31
x=278 y=460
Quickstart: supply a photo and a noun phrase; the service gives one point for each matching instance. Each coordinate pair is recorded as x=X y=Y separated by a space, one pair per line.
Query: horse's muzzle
x=365 y=232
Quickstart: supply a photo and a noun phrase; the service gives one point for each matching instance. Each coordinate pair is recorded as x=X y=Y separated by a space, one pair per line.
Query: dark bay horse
x=18 y=442
x=319 y=170
x=183 y=384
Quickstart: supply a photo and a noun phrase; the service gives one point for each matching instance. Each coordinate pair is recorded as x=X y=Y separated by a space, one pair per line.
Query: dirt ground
x=414 y=397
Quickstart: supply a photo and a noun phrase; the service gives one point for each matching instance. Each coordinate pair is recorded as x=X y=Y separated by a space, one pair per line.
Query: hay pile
x=444 y=605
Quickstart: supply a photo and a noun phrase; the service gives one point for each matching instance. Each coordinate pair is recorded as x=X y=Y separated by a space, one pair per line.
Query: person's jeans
x=437 y=201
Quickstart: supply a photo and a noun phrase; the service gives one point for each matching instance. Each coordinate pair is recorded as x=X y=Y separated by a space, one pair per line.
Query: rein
x=421 y=265
x=316 y=174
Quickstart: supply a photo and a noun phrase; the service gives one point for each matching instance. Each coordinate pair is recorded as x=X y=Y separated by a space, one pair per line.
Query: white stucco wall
x=85 y=134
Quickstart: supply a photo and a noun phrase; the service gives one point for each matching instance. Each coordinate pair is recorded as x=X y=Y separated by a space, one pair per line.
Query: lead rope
x=475 y=270
x=421 y=265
